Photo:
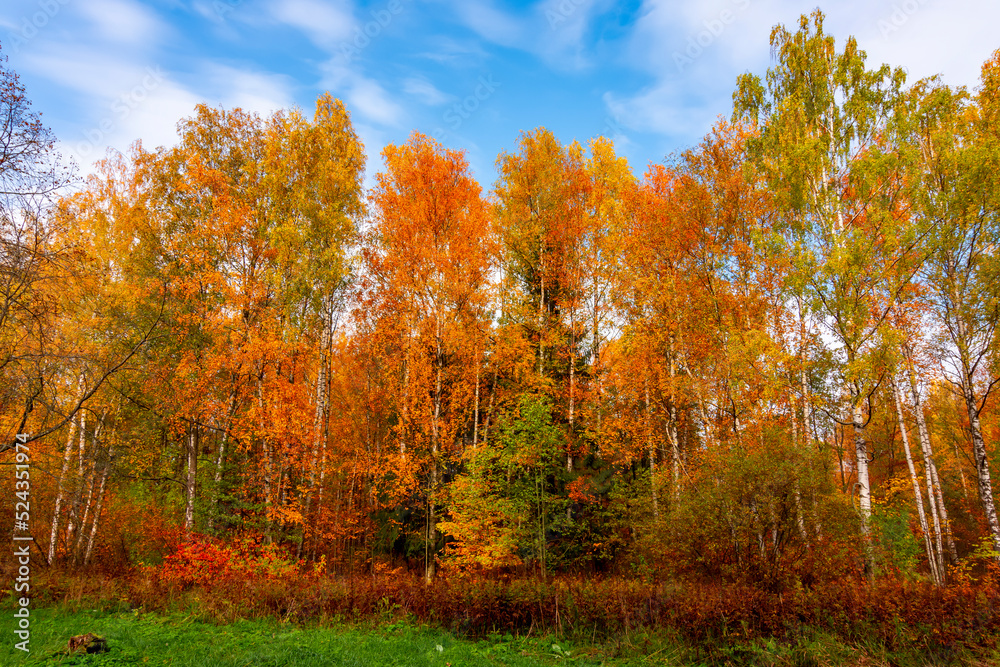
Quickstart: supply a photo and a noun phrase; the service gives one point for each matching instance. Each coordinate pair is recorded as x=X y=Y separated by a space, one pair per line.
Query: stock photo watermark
x=363 y=35
x=612 y=128
x=562 y=12
x=121 y=108
x=32 y=24
x=224 y=8
x=901 y=14
x=713 y=28
x=464 y=109
x=22 y=542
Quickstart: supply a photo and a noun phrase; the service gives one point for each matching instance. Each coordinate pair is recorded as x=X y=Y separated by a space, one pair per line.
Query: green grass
x=182 y=641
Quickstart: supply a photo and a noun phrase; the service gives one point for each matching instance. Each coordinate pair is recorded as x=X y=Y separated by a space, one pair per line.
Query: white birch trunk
x=430 y=553
x=60 y=490
x=932 y=560
x=675 y=451
x=92 y=479
x=192 y=476
x=98 y=507
x=74 y=508
x=800 y=519
x=982 y=465
x=572 y=377
x=939 y=512
x=864 y=483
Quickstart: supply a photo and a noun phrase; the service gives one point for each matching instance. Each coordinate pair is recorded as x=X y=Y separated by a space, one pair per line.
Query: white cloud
x=694 y=51
x=424 y=91
x=326 y=23
x=121 y=102
x=96 y=74
x=563 y=26
x=364 y=96
x=370 y=100
x=124 y=22
x=262 y=93
x=154 y=118
x=489 y=22
x=659 y=109
x=931 y=38
x=147 y=111
x=455 y=53
x=554 y=30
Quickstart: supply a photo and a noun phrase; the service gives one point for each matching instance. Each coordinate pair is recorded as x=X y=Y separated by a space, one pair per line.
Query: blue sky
x=652 y=74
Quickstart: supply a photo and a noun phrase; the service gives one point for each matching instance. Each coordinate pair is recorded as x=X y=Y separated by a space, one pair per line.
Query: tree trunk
x=405 y=411
x=489 y=406
x=475 y=409
x=652 y=454
x=81 y=533
x=982 y=465
x=97 y=508
x=864 y=484
x=932 y=556
x=220 y=459
x=192 y=476
x=74 y=507
x=60 y=489
x=800 y=518
x=430 y=551
x=319 y=432
x=675 y=451
x=541 y=304
x=808 y=434
x=935 y=494
x=572 y=378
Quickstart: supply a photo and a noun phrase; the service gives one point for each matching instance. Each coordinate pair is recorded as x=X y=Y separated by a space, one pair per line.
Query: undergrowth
x=839 y=621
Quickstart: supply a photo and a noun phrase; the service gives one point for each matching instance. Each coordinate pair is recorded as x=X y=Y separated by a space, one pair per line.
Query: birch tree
x=959 y=151
x=428 y=260
x=827 y=124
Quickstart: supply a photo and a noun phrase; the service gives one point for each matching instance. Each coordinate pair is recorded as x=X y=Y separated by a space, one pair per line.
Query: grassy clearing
x=184 y=641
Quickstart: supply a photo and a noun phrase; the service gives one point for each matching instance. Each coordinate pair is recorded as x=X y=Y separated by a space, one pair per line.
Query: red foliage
x=206 y=562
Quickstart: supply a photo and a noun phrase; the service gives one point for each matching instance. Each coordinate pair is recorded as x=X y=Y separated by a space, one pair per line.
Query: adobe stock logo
x=223 y=8
x=463 y=110
x=698 y=42
x=562 y=12
x=363 y=35
x=35 y=22
x=900 y=16
x=612 y=128
x=122 y=108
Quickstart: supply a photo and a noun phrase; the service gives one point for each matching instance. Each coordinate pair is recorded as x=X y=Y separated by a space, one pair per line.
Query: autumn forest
x=771 y=360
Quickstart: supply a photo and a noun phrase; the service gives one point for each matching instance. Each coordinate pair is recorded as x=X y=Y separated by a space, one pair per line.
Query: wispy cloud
x=447 y=50
x=424 y=91
x=659 y=110
x=124 y=22
x=687 y=51
x=326 y=23
x=554 y=30
x=83 y=69
x=693 y=52
x=365 y=96
x=260 y=92
x=563 y=27
x=490 y=23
